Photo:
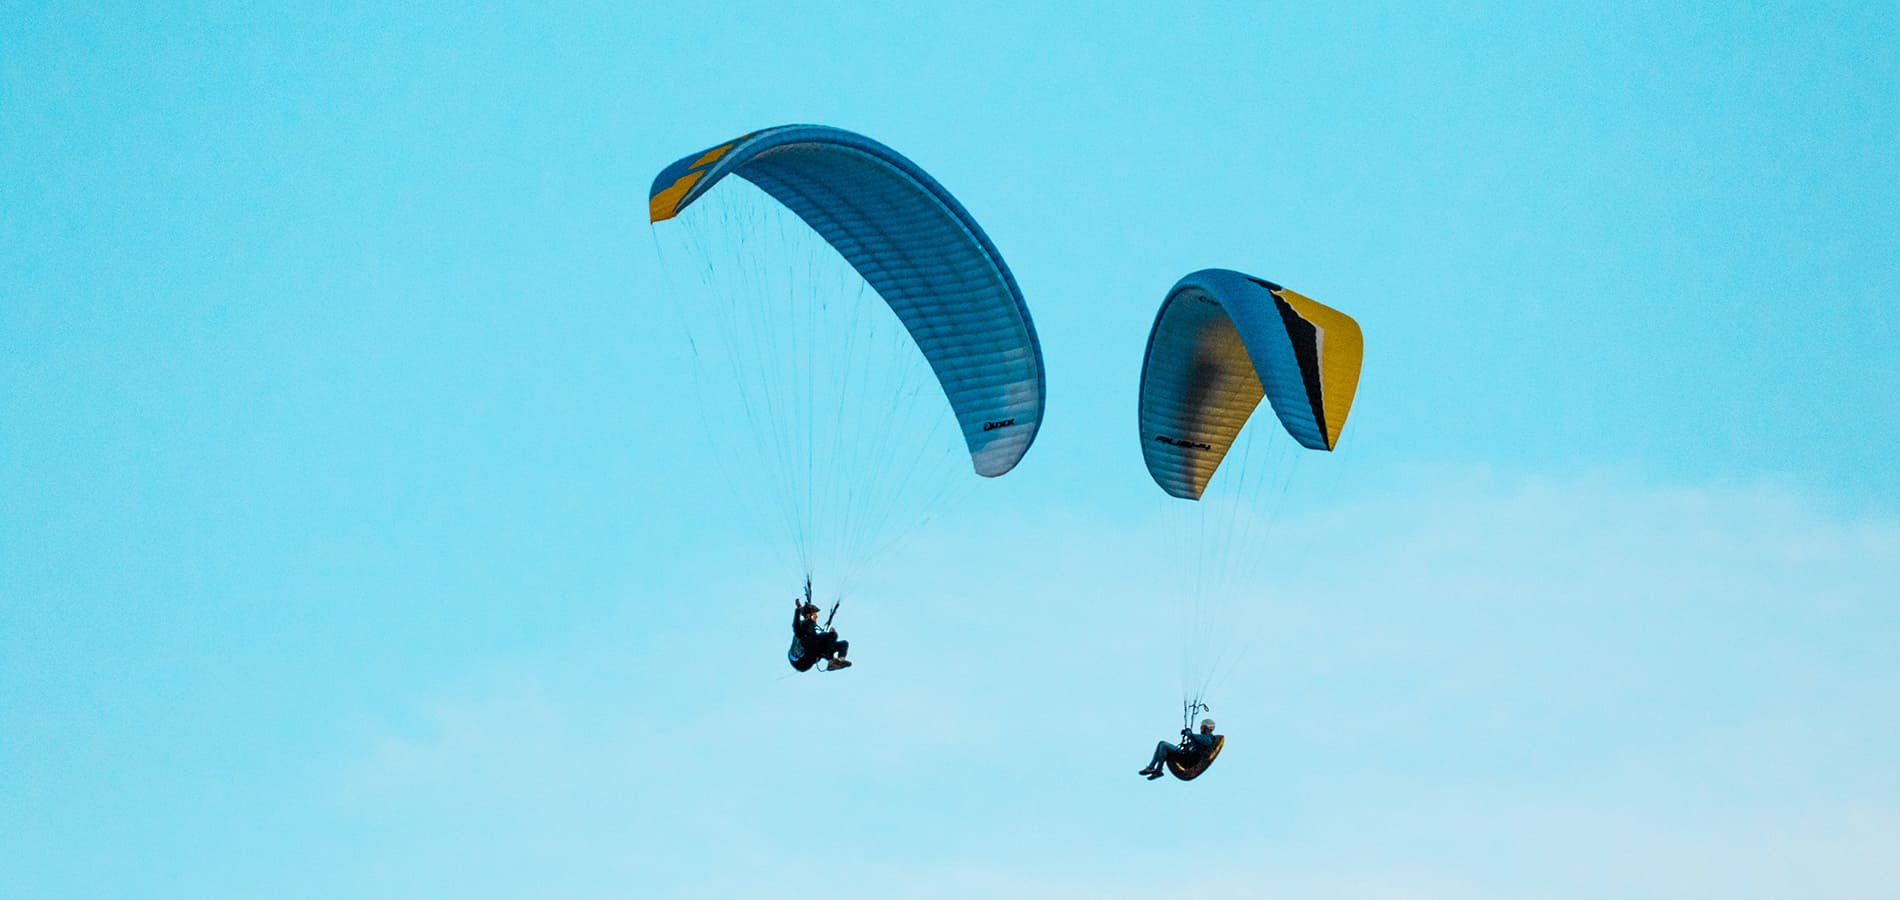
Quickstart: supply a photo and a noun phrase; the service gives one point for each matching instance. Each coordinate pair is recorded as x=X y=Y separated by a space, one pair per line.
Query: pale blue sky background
x=344 y=551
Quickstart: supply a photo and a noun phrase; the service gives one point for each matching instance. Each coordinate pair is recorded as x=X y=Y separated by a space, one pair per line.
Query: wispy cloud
x=1561 y=687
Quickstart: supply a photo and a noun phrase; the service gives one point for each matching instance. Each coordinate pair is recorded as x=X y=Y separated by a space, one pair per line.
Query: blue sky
x=347 y=547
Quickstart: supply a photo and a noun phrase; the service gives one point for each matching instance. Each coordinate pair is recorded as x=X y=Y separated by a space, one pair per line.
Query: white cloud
x=1576 y=687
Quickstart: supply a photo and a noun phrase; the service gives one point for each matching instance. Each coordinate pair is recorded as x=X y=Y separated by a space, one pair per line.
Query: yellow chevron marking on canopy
x=1341 y=349
x=712 y=156
x=665 y=204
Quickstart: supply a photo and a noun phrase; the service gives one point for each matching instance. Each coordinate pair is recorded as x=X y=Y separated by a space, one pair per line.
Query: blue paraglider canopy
x=917 y=247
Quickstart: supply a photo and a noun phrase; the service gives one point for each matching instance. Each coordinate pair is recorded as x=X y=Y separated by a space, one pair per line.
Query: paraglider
x=839 y=427
x=812 y=642
x=1222 y=341
x=1188 y=759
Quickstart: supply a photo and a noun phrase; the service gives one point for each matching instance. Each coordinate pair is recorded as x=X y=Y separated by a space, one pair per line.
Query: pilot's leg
x=1161 y=755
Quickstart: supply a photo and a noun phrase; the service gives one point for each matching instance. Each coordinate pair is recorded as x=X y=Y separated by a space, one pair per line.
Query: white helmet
x=1207 y=724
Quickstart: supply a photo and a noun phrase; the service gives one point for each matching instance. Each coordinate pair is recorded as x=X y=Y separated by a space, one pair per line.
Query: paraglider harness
x=797 y=655
x=1188 y=770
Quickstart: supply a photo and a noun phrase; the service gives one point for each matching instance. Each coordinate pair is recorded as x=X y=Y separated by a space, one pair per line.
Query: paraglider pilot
x=1194 y=752
x=812 y=642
